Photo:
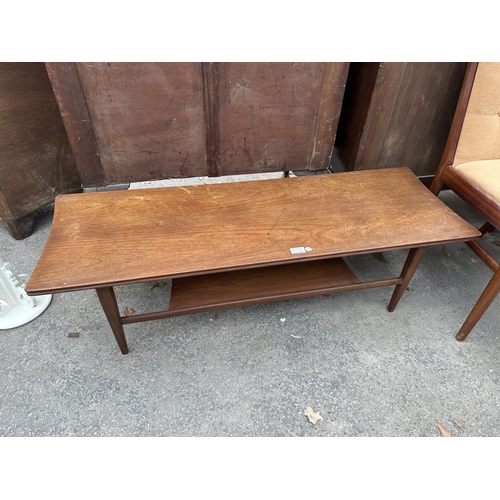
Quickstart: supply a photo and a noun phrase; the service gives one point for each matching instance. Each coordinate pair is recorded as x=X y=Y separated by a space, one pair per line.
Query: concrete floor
x=252 y=371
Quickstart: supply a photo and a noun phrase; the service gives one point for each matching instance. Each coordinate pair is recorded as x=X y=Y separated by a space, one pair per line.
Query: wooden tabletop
x=119 y=237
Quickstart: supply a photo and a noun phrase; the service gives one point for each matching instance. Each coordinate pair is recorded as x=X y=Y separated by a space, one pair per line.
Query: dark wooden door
x=146 y=121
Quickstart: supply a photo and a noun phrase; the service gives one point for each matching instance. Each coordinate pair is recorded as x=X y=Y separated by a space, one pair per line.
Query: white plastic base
x=20 y=315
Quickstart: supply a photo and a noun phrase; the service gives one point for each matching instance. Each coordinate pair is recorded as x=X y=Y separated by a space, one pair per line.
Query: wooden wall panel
x=36 y=162
x=280 y=116
x=398 y=114
x=150 y=121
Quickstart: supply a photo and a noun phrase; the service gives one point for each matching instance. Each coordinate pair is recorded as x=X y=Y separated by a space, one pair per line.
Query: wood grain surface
x=259 y=284
x=131 y=122
x=36 y=162
x=148 y=119
x=398 y=114
x=280 y=116
x=108 y=238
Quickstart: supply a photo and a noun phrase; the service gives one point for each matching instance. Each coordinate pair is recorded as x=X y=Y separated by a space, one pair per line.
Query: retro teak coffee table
x=235 y=244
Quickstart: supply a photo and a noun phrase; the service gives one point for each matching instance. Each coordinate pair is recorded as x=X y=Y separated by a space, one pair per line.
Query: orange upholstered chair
x=470 y=166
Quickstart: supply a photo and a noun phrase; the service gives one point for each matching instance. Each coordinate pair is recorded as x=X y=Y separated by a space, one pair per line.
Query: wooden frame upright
x=481 y=201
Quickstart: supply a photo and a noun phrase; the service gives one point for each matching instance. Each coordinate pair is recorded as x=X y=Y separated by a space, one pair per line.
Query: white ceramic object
x=16 y=307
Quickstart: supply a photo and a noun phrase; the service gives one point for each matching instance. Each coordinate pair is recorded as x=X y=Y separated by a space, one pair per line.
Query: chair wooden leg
x=436 y=185
x=414 y=258
x=487 y=297
x=108 y=302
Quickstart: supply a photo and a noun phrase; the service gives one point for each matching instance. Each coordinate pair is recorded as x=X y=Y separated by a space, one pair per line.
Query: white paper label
x=300 y=250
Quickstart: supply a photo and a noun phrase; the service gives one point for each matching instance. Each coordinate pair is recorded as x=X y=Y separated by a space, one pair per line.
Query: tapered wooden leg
x=412 y=261
x=108 y=303
x=487 y=297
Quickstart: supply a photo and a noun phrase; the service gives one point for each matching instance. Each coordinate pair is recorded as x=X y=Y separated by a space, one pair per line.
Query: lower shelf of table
x=230 y=289
x=262 y=283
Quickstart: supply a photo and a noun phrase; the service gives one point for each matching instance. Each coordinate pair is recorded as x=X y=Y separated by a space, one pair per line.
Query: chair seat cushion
x=484 y=173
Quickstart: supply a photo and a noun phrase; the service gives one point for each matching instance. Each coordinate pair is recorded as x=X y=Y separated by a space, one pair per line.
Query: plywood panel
x=36 y=162
x=145 y=121
x=148 y=119
x=271 y=113
x=398 y=114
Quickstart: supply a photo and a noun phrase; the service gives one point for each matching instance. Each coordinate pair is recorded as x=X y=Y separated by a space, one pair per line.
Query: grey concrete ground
x=252 y=371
